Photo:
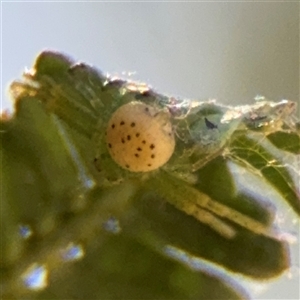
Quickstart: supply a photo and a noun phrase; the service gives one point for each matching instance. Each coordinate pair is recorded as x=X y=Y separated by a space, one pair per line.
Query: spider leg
x=233 y=215
x=205 y=209
x=209 y=219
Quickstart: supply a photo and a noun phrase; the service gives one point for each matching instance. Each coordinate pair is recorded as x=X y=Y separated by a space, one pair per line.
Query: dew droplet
x=72 y=252
x=25 y=231
x=112 y=225
x=35 y=277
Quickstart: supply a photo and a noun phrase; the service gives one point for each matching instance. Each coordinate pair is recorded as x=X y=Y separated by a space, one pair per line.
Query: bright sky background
x=231 y=51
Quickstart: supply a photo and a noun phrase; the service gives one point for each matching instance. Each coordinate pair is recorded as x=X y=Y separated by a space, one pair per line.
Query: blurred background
x=229 y=51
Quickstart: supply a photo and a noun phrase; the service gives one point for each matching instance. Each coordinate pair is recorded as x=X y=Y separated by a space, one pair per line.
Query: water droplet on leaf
x=25 y=231
x=73 y=252
x=112 y=225
x=35 y=277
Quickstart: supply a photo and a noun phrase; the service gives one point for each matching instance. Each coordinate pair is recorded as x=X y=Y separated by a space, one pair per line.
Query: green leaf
x=265 y=258
x=60 y=183
x=139 y=273
x=52 y=64
x=287 y=141
x=183 y=231
x=248 y=151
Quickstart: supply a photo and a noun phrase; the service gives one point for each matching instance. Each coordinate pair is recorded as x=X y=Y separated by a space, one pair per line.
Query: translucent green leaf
x=62 y=188
x=122 y=268
x=248 y=253
x=52 y=64
x=248 y=151
x=287 y=141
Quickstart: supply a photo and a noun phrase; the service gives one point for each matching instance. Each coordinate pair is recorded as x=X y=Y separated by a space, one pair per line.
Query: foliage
x=74 y=224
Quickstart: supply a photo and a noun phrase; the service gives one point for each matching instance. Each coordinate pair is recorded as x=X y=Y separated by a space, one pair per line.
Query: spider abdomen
x=140 y=137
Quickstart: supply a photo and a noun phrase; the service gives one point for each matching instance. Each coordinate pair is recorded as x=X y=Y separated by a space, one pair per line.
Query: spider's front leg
x=208 y=211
